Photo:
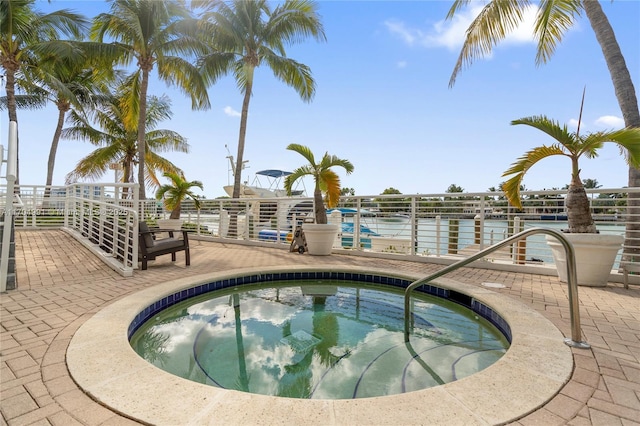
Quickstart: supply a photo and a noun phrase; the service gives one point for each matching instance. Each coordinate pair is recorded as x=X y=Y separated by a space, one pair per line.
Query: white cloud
x=523 y=34
x=610 y=122
x=231 y=112
x=409 y=36
x=451 y=33
x=401 y=64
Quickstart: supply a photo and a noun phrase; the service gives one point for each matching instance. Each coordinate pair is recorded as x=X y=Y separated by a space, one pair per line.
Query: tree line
x=96 y=71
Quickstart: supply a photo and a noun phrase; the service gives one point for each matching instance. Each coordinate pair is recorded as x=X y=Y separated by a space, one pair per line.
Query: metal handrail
x=572 y=281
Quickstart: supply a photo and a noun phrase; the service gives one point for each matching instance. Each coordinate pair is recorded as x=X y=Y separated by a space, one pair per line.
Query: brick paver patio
x=61 y=285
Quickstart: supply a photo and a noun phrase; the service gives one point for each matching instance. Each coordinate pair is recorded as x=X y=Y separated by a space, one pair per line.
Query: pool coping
x=103 y=364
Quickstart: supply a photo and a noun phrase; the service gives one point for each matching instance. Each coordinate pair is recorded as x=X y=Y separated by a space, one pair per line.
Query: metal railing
x=110 y=228
x=429 y=227
x=572 y=281
x=104 y=217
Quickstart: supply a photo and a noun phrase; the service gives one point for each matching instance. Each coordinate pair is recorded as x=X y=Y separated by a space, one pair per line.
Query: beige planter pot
x=175 y=224
x=595 y=255
x=320 y=237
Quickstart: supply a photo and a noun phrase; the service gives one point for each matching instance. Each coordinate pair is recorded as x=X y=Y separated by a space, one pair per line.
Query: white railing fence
x=427 y=226
x=103 y=217
x=106 y=220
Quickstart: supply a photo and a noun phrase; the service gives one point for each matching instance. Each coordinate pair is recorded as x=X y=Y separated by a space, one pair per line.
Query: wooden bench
x=150 y=246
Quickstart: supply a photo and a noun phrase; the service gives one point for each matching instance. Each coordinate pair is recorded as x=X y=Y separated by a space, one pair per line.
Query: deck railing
x=104 y=217
x=105 y=221
x=425 y=225
x=440 y=227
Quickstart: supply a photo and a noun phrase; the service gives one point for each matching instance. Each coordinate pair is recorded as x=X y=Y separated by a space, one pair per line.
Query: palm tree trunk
x=142 y=148
x=577 y=203
x=242 y=363
x=625 y=92
x=13 y=111
x=320 y=212
x=175 y=213
x=237 y=173
x=237 y=181
x=54 y=149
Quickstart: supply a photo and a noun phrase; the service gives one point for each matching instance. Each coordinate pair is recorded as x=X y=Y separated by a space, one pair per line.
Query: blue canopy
x=273 y=173
x=349 y=228
x=346 y=211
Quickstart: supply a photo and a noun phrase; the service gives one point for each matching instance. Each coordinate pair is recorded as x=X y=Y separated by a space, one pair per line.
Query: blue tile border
x=477 y=307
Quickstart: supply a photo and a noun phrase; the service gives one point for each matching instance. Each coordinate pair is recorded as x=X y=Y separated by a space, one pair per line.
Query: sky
x=383 y=102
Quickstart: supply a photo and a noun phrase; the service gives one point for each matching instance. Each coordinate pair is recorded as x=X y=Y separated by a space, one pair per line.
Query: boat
x=553 y=217
x=257 y=190
x=275 y=218
x=368 y=238
x=350 y=212
x=271 y=216
x=396 y=217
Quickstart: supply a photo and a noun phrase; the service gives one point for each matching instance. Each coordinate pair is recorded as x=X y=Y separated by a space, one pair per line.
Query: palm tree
x=246 y=34
x=68 y=83
x=326 y=180
x=176 y=192
x=591 y=183
x=26 y=32
x=153 y=33
x=571 y=145
x=554 y=18
x=117 y=140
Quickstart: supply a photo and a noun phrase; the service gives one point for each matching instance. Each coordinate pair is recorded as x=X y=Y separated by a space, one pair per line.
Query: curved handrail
x=572 y=280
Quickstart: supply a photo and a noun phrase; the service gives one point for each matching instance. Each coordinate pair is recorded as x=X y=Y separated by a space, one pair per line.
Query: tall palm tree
x=554 y=18
x=117 y=140
x=154 y=33
x=571 y=145
x=68 y=83
x=176 y=192
x=25 y=32
x=326 y=180
x=245 y=34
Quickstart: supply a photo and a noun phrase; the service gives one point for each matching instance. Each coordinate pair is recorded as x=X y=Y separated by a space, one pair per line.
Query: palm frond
x=552 y=128
x=28 y=102
x=495 y=21
x=293 y=74
x=553 y=20
x=304 y=151
x=628 y=140
x=298 y=173
x=178 y=71
x=330 y=186
x=518 y=169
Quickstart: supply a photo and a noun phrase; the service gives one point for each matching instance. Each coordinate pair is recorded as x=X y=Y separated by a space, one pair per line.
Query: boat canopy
x=349 y=228
x=346 y=211
x=273 y=173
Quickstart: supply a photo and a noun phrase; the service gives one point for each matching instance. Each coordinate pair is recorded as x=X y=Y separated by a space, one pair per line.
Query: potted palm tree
x=172 y=195
x=595 y=253
x=319 y=235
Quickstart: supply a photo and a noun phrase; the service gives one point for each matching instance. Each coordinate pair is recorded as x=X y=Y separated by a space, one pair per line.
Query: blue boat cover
x=273 y=173
x=349 y=227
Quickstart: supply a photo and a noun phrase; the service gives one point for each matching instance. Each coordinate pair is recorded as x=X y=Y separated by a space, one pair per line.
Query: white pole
x=516 y=229
x=438 y=224
x=12 y=165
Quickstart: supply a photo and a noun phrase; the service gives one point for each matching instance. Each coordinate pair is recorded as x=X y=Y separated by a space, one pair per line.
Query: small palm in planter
x=582 y=230
x=327 y=182
x=173 y=194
